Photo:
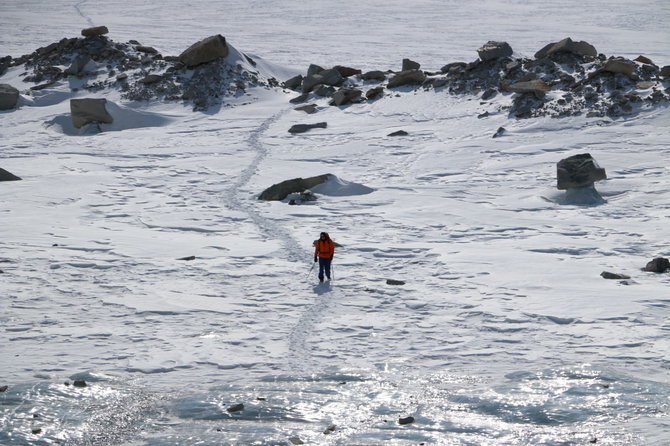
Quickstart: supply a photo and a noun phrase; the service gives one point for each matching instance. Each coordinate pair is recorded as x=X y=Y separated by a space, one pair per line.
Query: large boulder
x=89 y=110
x=7 y=176
x=494 y=50
x=374 y=75
x=279 y=191
x=206 y=50
x=620 y=65
x=658 y=265
x=410 y=77
x=330 y=77
x=314 y=69
x=302 y=128
x=78 y=64
x=665 y=71
x=567 y=45
x=345 y=96
x=9 y=97
x=347 y=71
x=294 y=82
x=409 y=64
x=94 y=31
x=578 y=171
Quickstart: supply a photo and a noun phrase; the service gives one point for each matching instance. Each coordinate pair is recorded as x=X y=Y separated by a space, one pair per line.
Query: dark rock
x=7 y=176
x=325 y=91
x=146 y=49
x=9 y=97
x=453 y=67
x=665 y=71
x=374 y=75
x=398 y=133
x=314 y=69
x=494 y=50
x=204 y=51
x=294 y=82
x=77 y=65
x=187 y=258
x=330 y=429
x=488 y=94
x=345 y=96
x=302 y=128
x=3 y=388
x=483 y=115
x=567 y=46
x=394 y=282
x=79 y=383
x=89 y=110
x=36 y=430
x=279 y=191
x=538 y=87
x=330 y=77
x=374 y=92
x=620 y=65
x=501 y=131
x=406 y=420
x=578 y=171
x=235 y=408
x=151 y=79
x=408 y=64
x=95 y=31
x=658 y=265
x=346 y=71
x=298 y=99
x=613 y=276
x=409 y=77
x=296 y=441
x=644 y=60
x=308 y=108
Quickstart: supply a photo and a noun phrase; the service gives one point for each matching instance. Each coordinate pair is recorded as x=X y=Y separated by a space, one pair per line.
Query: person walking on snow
x=324 y=249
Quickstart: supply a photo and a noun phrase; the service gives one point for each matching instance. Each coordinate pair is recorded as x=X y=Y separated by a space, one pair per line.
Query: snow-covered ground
x=504 y=333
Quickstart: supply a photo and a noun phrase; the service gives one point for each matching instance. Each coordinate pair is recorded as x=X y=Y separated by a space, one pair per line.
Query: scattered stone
x=235 y=408
x=36 y=430
x=538 y=87
x=122 y=77
x=330 y=77
x=594 y=440
x=483 y=115
x=454 y=66
x=494 y=50
x=620 y=65
x=7 y=176
x=314 y=69
x=3 y=388
x=346 y=71
x=294 y=82
x=408 y=64
x=95 y=31
x=89 y=110
x=301 y=197
x=279 y=191
x=345 y=96
x=578 y=171
x=488 y=94
x=302 y=128
x=644 y=60
x=658 y=265
x=567 y=46
x=398 y=133
x=9 y=97
x=645 y=85
x=409 y=77
x=298 y=99
x=79 y=383
x=151 y=79
x=394 y=282
x=206 y=50
x=295 y=440
x=307 y=108
x=330 y=429
x=374 y=75
x=325 y=91
x=406 y=420
x=665 y=71
x=613 y=276
x=374 y=92
x=501 y=131
x=189 y=258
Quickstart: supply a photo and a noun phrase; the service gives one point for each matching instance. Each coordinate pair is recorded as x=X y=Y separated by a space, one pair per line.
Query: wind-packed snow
x=503 y=333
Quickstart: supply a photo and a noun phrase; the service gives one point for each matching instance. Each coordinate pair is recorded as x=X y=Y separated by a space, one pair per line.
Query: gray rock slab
x=206 y=50
x=89 y=110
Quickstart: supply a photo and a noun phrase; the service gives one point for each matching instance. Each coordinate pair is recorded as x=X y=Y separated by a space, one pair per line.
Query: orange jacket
x=324 y=248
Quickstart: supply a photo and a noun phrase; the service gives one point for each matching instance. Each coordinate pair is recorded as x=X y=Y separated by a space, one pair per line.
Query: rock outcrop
x=280 y=191
x=89 y=110
x=7 y=176
x=206 y=50
x=578 y=171
x=567 y=45
x=9 y=97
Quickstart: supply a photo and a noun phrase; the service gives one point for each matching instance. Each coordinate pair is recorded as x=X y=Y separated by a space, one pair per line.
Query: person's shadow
x=322 y=287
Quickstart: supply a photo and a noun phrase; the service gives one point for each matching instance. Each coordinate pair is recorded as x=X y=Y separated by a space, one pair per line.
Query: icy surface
x=504 y=333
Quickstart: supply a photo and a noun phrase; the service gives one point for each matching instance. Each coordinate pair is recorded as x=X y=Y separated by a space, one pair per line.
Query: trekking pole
x=310 y=270
x=332 y=270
